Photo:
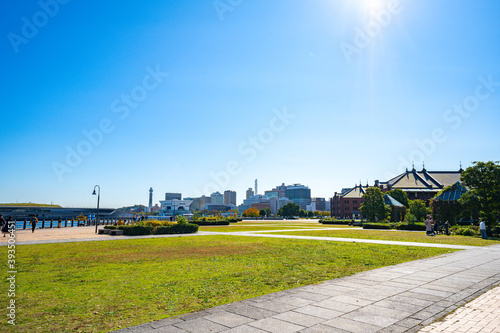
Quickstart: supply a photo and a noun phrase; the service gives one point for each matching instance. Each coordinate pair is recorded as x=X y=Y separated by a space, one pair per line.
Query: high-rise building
x=229 y=197
x=249 y=193
x=299 y=194
x=277 y=192
x=150 y=198
x=172 y=196
x=216 y=198
x=320 y=204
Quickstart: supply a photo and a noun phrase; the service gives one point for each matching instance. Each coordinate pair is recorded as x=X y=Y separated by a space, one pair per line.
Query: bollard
x=65 y=223
x=24 y=225
x=71 y=222
x=51 y=223
x=43 y=224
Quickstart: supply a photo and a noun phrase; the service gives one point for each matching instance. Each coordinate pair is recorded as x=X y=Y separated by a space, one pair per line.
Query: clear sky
x=196 y=96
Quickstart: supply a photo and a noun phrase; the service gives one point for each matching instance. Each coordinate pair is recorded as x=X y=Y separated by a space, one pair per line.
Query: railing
x=67 y=223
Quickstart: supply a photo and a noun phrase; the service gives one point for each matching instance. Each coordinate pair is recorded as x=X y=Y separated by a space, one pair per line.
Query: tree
x=251 y=212
x=483 y=182
x=400 y=196
x=418 y=209
x=268 y=212
x=373 y=206
x=289 y=210
x=262 y=212
x=310 y=214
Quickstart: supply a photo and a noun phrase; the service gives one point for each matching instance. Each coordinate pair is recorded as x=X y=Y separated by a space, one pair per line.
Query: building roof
x=424 y=180
x=453 y=193
x=388 y=200
x=355 y=192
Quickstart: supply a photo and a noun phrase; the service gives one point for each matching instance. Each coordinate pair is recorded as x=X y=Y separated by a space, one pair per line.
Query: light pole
x=98 y=197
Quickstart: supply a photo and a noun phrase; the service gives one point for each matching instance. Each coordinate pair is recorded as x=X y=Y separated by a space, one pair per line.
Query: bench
x=116 y=232
x=104 y=231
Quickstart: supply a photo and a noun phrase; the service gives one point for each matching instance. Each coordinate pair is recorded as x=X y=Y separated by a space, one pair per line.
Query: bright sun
x=372 y=5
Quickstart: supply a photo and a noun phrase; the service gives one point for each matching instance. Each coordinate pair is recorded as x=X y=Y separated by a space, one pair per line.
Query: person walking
x=4 y=225
x=33 y=222
x=428 y=226
x=59 y=222
x=482 y=227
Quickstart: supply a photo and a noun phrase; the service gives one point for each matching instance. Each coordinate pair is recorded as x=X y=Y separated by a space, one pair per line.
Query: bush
x=411 y=226
x=465 y=230
x=377 y=226
x=233 y=219
x=184 y=228
x=135 y=230
x=111 y=227
x=220 y=222
x=155 y=223
x=334 y=221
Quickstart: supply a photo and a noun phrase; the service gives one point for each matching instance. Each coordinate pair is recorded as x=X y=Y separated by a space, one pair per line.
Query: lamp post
x=98 y=197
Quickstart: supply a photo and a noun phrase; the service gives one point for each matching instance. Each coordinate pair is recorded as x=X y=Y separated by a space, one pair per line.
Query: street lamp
x=98 y=197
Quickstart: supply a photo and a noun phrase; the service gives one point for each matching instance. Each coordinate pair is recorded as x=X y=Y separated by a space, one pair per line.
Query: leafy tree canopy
x=400 y=196
x=289 y=210
x=418 y=209
x=483 y=182
x=373 y=206
x=251 y=212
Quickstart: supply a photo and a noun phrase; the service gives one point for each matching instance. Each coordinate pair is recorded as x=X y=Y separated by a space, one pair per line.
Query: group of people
x=433 y=229
x=5 y=224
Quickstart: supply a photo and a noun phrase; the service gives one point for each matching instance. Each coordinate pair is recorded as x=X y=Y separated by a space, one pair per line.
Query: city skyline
x=208 y=96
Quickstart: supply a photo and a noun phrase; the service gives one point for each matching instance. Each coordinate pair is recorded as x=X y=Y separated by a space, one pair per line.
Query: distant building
x=277 y=203
x=217 y=198
x=261 y=206
x=171 y=196
x=277 y=192
x=150 y=198
x=347 y=206
x=320 y=204
x=423 y=185
x=213 y=207
x=176 y=207
x=199 y=203
x=249 y=193
x=229 y=197
x=247 y=203
x=299 y=194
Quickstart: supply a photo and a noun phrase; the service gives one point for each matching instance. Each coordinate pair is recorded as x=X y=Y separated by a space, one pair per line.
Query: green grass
x=101 y=286
x=268 y=225
x=402 y=236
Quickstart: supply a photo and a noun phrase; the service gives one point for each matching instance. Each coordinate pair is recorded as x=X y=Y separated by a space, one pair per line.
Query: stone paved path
x=401 y=298
x=480 y=315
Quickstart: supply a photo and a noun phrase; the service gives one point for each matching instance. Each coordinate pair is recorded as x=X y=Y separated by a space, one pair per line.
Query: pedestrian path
x=480 y=315
x=401 y=298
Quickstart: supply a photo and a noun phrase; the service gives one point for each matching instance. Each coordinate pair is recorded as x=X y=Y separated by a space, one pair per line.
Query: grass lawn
x=402 y=236
x=270 y=225
x=101 y=286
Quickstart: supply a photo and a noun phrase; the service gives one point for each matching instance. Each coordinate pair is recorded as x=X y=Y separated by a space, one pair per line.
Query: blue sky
x=196 y=96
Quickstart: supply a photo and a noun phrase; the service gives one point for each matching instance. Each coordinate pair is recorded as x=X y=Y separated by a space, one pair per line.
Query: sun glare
x=372 y=5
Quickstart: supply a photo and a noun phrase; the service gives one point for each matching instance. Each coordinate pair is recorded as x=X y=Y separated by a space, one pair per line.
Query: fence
x=67 y=223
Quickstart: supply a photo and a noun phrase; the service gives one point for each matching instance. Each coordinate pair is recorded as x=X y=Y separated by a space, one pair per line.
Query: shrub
x=334 y=221
x=181 y=220
x=135 y=230
x=376 y=226
x=184 y=228
x=465 y=230
x=111 y=227
x=411 y=226
x=220 y=222
x=233 y=219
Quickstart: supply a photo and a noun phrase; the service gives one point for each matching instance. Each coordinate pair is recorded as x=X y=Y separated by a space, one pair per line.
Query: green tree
x=373 y=206
x=400 y=196
x=418 y=209
x=289 y=210
x=268 y=212
x=483 y=182
x=262 y=212
x=310 y=214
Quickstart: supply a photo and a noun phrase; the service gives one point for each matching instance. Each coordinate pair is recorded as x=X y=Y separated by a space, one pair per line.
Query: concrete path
x=400 y=298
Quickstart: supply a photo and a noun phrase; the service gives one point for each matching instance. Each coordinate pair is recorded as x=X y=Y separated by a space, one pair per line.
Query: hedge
x=222 y=222
x=414 y=226
x=376 y=226
x=136 y=230
x=334 y=221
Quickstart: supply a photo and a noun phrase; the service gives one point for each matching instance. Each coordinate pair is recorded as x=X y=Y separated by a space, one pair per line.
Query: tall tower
x=256 y=189
x=150 y=197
